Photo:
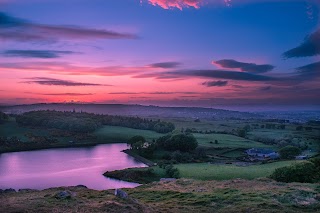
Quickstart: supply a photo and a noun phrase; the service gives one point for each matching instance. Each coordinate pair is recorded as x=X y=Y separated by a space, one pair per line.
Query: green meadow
x=207 y=171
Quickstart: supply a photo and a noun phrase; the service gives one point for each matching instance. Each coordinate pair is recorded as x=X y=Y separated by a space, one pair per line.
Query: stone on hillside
x=167 y=179
x=64 y=195
x=121 y=194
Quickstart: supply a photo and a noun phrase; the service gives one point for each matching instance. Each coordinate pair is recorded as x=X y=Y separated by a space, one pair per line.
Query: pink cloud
x=180 y=4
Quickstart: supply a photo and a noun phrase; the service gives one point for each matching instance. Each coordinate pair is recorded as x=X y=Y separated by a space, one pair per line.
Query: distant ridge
x=134 y=110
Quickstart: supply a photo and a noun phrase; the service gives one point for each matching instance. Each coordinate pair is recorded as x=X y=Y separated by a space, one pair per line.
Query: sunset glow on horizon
x=160 y=52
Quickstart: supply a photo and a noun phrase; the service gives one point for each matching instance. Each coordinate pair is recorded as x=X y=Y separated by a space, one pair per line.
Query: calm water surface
x=65 y=167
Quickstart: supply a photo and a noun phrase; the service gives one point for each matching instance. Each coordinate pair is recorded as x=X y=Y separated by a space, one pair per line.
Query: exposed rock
x=168 y=179
x=27 y=190
x=121 y=194
x=81 y=186
x=64 y=195
x=9 y=190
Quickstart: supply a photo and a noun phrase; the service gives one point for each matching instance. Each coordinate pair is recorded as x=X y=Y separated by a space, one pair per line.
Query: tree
x=242 y=133
x=3 y=117
x=289 y=152
x=136 y=142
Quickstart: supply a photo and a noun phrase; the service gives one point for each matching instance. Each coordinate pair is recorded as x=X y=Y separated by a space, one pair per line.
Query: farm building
x=262 y=153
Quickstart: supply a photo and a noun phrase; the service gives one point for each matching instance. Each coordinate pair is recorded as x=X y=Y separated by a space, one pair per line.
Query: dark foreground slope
x=177 y=196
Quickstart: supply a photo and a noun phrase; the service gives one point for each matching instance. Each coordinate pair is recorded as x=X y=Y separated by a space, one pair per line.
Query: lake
x=66 y=167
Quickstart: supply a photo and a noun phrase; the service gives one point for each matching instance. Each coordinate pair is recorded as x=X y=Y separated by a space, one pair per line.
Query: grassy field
x=183 y=195
x=122 y=134
x=206 y=171
x=225 y=140
x=201 y=171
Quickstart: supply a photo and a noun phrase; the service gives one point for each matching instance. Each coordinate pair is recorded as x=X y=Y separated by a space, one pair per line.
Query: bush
x=305 y=172
x=289 y=152
x=181 y=157
x=172 y=172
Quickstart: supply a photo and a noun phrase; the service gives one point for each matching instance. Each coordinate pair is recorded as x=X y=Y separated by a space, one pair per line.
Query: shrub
x=305 y=172
x=172 y=172
x=289 y=152
x=181 y=157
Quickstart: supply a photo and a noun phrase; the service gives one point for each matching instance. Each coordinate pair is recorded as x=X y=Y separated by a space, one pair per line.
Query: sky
x=203 y=53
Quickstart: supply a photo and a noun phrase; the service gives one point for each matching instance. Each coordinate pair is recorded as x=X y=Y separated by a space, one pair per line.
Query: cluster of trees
x=307 y=128
x=3 y=117
x=88 y=122
x=286 y=140
x=306 y=172
x=179 y=147
x=274 y=126
x=177 y=142
x=8 y=141
x=289 y=152
x=141 y=146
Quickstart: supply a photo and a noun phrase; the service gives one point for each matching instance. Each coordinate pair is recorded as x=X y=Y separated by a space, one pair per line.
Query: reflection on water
x=65 y=167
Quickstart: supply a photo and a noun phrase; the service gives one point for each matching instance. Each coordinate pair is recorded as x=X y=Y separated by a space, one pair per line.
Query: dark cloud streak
x=215 y=83
x=309 y=47
x=36 y=53
x=58 y=82
x=245 y=67
x=12 y=28
x=222 y=74
x=165 y=65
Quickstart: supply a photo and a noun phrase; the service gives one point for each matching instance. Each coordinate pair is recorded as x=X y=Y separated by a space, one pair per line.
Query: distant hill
x=301 y=116
x=135 y=110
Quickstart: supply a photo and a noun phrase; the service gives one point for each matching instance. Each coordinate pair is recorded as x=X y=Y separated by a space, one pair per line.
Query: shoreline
x=149 y=163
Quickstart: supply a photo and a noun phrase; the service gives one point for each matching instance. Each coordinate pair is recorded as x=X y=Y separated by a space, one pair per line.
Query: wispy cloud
x=12 y=28
x=310 y=68
x=309 y=47
x=36 y=53
x=243 y=66
x=215 y=83
x=153 y=93
x=58 y=82
x=70 y=69
x=166 y=65
x=61 y=94
x=220 y=74
x=266 y=88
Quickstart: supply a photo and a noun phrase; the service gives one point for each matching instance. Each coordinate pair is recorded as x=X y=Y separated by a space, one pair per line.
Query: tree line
x=3 y=117
x=88 y=122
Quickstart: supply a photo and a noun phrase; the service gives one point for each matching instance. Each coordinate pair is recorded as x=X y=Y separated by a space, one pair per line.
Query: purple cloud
x=12 y=28
x=58 y=82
